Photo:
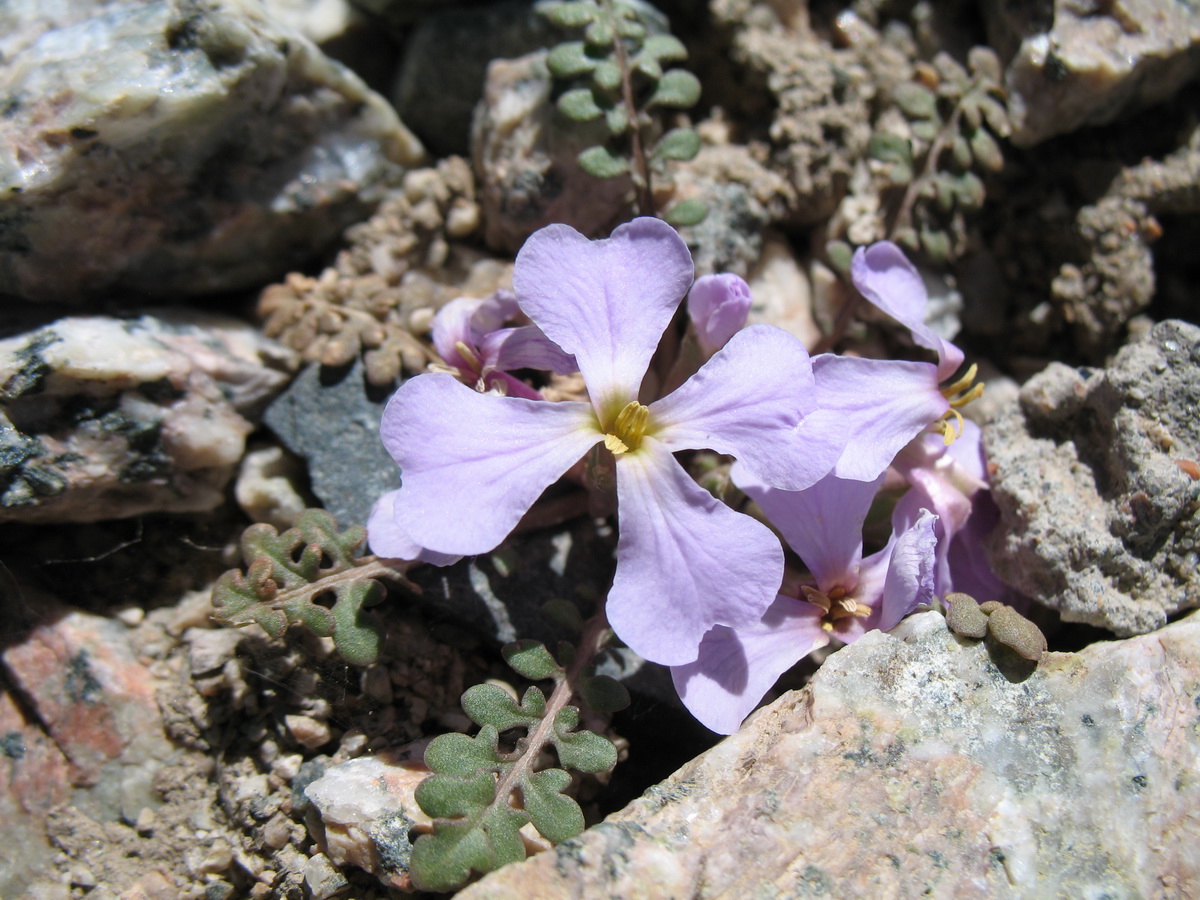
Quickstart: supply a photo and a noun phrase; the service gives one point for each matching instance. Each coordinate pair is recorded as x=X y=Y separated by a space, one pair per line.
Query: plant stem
x=595 y=635
x=641 y=170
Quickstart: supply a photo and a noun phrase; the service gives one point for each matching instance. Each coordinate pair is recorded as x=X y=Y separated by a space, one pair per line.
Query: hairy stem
x=641 y=169
x=595 y=635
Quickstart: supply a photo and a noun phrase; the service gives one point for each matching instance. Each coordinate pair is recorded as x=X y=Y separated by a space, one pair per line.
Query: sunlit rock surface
x=105 y=418
x=1076 y=62
x=1097 y=476
x=177 y=147
x=911 y=766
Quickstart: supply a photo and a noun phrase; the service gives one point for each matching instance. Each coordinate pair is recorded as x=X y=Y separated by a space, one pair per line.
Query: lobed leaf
x=463 y=755
x=604 y=694
x=679 y=143
x=664 y=48
x=531 y=659
x=600 y=162
x=579 y=105
x=489 y=704
x=455 y=796
x=286 y=574
x=582 y=750
x=678 y=89
x=569 y=60
x=445 y=859
x=572 y=14
x=686 y=212
x=556 y=816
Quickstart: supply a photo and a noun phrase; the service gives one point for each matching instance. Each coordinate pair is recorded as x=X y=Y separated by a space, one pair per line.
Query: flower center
x=837 y=604
x=959 y=393
x=628 y=429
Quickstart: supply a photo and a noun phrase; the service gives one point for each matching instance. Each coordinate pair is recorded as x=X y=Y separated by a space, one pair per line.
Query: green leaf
x=664 y=48
x=915 y=101
x=969 y=191
x=887 y=147
x=936 y=244
x=607 y=76
x=600 y=162
x=490 y=704
x=840 y=254
x=599 y=34
x=629 y=28
x=986 y=150
x=452 y=796
x=604 y=694
x=445 y=859
x=678 y=143
x=960 y=150
x=565 y=613
x=463 y=755
x=686 y=212
x=648 y=66
x=556 y=816
x=582 y=750
x=569 y=60
x=287 y=573
x=617 y=120
x=574 y=14
x=678 y=89
x=925 y=130
x=579 y=105
x=984 y=62
x=531 y=659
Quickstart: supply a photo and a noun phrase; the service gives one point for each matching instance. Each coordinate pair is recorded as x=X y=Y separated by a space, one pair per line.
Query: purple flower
x=850 y=596
x=473 y=464
x=718 y=306
x=952 y=481
x=875 y=407
x=468 y=334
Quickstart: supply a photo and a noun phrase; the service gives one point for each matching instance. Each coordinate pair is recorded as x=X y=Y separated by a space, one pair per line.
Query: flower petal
x=472 y=464
x=606 y=302
x=737 y=666
x=748 y=401
x=823 y=524
x=389 y=540
x=880 y=405
x=525 y=348
x=451 y=326
x=910 y=572
x=718 y=306
x=883 y=274
x=685 y=561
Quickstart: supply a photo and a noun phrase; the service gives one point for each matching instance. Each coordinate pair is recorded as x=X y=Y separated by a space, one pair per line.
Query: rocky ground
x=224 y=231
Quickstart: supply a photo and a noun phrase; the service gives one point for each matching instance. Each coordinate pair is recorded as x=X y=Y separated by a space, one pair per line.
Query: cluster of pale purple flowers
x=697 y=584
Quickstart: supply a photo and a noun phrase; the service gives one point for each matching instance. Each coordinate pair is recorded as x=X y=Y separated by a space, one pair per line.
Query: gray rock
x=912 y=767
x=524 y=154
x=330 y=417
x=1076 y=63
x=1095 y=473
x=104 y=418
x=445 y=63
x=177 y=147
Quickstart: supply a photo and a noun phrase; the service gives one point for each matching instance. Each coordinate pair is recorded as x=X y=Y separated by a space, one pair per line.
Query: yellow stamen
x=836 y=605
x=959 y=394
x=467 y=354
x=628 y=429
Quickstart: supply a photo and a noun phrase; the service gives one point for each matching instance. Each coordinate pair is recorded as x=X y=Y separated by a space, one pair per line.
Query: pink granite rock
x=96 y=701
x=912 y=767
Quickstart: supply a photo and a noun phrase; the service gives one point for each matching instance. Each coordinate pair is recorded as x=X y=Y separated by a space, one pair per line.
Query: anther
x=628 y=429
